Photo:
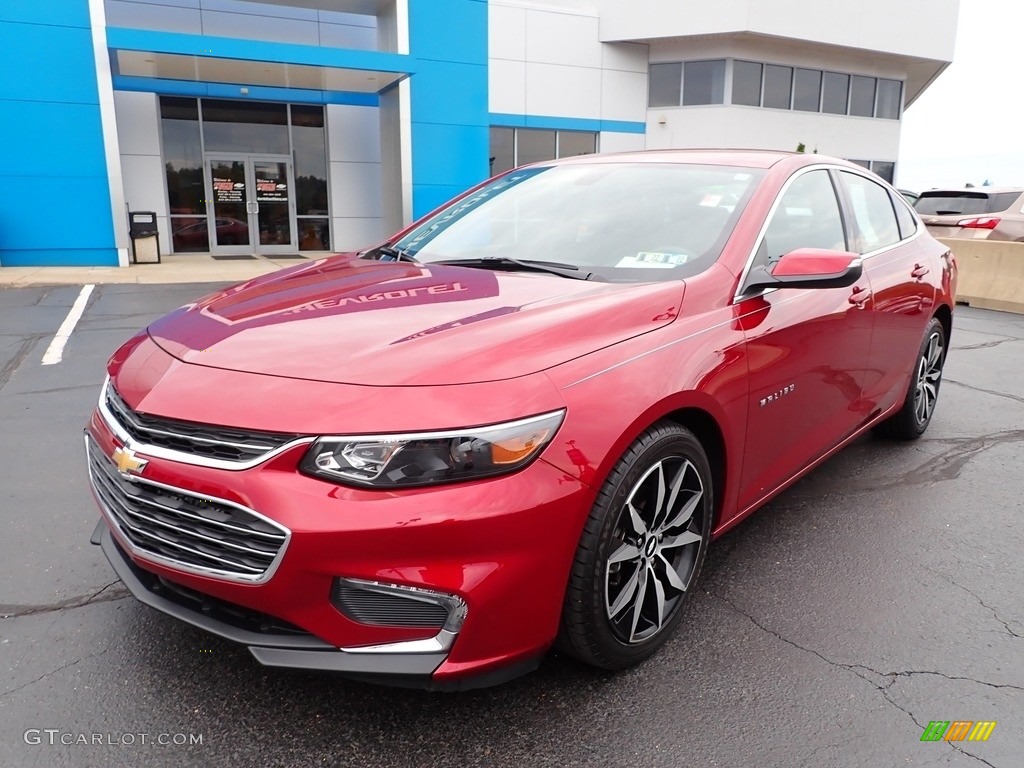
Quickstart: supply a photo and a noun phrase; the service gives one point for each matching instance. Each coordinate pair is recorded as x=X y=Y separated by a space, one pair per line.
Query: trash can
x=143 y=232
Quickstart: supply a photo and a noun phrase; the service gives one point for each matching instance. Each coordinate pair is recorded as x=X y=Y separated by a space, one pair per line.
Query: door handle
x=859 y=296
x=919 y=271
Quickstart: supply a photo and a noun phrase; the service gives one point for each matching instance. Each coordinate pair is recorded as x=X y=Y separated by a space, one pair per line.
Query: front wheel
x=910 y=422
x=641 y=550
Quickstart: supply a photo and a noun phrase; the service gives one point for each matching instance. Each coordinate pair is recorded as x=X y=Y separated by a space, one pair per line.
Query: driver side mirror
x=808 y=268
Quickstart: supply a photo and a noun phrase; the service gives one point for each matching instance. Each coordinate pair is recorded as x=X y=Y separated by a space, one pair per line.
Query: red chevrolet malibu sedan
x=522 y=420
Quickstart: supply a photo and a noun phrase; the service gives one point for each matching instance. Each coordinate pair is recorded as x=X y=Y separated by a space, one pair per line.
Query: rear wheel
x=910 y=422
x=641 y=551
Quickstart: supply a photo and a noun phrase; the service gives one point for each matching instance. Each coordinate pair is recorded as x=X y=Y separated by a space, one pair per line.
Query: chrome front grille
x=186 y=530
x=204 y=441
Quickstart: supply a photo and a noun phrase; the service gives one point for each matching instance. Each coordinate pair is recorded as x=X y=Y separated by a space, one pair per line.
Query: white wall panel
x=138 y=123
x=353 y=133
x=562 y=38
x=611 y=141
x=553 y=89
x=506 y=32
x=355 y=234
x=507 y=86
x=355 y=190
x=862 y=138
x=623 y=95
x=627 y=57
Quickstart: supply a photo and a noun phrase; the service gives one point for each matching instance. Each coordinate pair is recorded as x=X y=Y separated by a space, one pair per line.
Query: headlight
x=429 y=458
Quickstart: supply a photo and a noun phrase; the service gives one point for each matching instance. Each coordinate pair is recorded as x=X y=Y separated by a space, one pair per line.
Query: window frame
x=855 y=232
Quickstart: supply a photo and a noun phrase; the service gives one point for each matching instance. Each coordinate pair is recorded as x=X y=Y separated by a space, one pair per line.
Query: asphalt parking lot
x=884 y=591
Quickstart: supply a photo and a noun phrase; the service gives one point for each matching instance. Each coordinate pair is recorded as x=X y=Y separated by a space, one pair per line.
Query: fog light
x=393 y=605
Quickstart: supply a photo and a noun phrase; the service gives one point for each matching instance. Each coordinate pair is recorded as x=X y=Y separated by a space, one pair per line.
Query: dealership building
x=301 y=126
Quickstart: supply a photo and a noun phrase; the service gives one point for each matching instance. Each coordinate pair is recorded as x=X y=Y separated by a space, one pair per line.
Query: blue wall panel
x=450 y=119
x=52 y=138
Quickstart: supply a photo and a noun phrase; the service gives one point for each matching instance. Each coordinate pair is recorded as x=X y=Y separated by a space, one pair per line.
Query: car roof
x=747 y=158
x=972 y=190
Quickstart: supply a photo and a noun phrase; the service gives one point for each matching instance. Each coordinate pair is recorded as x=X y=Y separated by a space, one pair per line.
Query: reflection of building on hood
x=401 y=293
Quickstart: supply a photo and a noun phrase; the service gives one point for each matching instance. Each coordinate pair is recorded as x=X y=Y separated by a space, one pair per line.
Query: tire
x=609 y=621
x=913 y=418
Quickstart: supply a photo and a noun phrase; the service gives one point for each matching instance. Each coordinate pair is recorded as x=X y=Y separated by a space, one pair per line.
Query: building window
x=862 y=96
x=778 y=86
x=193 y=128
x=183 y=168
x=309 y=148
x=886 y=169
x=512 y=147
x=664 y=85
x=807 y=90
x=890 y=94
x=835 y=96
x=703 y=82
x=746 y=83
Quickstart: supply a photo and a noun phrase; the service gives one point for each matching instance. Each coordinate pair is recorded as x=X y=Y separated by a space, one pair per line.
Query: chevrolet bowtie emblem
x=127 y=463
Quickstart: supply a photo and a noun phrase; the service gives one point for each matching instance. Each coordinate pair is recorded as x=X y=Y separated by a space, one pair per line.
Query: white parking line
x=55 y=352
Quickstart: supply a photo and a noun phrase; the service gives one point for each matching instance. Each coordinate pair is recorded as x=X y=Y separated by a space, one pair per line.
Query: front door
x=807 y=349
x=253 y=207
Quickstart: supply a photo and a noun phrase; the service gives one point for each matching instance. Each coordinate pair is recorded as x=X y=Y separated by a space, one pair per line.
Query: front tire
x=641 y=551
x=913 y=418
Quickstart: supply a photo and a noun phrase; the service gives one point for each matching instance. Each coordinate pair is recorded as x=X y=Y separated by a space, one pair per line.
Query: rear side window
x=873 y=213
x=904 y=217
x=939 y=203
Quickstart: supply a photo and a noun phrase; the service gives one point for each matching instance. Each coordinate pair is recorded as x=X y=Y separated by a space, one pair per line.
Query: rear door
x=807 y=349
x=902 y=276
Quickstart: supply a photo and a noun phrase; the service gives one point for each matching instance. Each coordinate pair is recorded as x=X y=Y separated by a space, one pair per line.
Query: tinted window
x=310 y=152
x=664 y=84
x=704 y=82
x=746 y=83
x=778 y=85
x=806 y=217
x=572 y=143
x=502 y=150
x=936 y=203
x=807 y=90
x=889 y=92
x=627 y=222
x=872 y=212
x=836 y=89
x=904 y=217
x=862 y=96
x=533 y=146
x=885 y=169
x=244 y=126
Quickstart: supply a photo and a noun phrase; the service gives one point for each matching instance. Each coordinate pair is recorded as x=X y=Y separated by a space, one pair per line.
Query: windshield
x=622 y=222
x=938 y=203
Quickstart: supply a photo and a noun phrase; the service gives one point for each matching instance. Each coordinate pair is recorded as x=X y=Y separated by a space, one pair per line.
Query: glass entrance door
x=253 y=207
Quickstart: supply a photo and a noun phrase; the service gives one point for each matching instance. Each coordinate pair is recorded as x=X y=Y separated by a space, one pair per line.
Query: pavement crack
x=987 y=344
x=101 y=595
x=995 y=614
x=52 y=672
x=24 y=350
x=860 y=671
x=994 y=392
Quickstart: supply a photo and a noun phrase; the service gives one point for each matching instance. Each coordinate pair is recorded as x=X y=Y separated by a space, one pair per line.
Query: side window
x=906 y=219
x=872 y=212
x=807 y=217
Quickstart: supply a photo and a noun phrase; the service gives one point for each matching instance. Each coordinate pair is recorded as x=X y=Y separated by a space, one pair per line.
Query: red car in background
x=521 y=421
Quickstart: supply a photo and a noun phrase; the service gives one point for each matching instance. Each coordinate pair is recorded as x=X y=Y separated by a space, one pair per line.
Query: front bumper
x=409 y=662
x=504 y=546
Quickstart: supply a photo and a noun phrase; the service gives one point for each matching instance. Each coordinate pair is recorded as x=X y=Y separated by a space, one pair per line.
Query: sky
x=968 y=126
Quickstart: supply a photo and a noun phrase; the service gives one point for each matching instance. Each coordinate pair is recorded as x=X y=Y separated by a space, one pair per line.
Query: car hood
x=355 y=321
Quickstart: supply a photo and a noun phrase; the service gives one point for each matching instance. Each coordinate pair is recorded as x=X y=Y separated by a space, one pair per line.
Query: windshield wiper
x=394 y=253
x=551 y=267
